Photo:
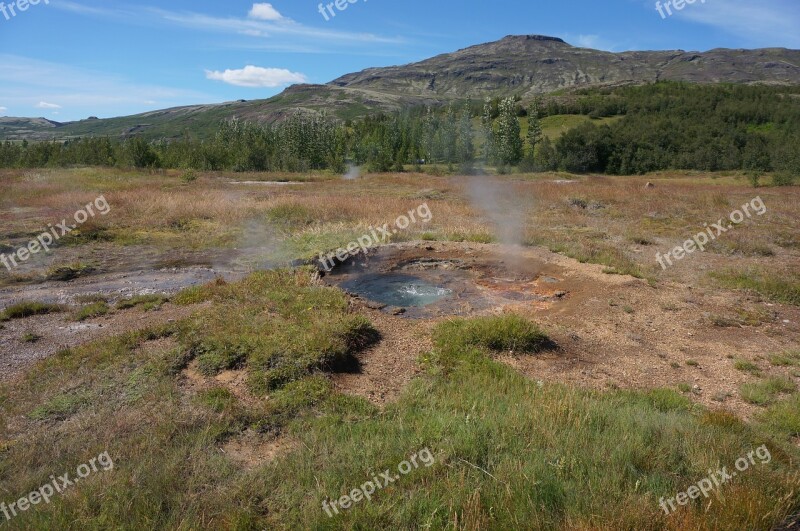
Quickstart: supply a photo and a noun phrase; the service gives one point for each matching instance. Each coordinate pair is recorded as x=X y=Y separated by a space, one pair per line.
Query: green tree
x=509 y=139
x=535 y=133
x=465 y=149
x=487 y=132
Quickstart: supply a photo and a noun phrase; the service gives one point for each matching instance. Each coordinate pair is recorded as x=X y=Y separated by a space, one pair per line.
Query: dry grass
x=616 y=223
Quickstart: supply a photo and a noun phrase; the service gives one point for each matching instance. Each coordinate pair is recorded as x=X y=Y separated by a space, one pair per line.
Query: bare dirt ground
x=59 y=331
x=386 y=368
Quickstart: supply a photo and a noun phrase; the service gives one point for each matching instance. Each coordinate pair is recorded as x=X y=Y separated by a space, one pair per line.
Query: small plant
x=68 y=272
x=91 y=311
x=723 y=322
x=578 y=202
x=721 y=396
x=675 y=365
x=641 y=240
x=787 y=359
x=147 y=302
x=30 y=337
x=218 y=399
x=684 y=387
x=628 y=309
x=692 y=363
x=189 y=176
x=747 y=366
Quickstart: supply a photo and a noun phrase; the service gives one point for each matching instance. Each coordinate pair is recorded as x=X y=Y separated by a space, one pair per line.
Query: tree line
x=661 y=126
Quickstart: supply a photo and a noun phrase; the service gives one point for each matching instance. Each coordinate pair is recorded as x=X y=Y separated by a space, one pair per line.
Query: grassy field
x=229 y=416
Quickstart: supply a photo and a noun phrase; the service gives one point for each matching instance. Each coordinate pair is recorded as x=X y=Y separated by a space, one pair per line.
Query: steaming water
x=353 y=172
x=393 y=289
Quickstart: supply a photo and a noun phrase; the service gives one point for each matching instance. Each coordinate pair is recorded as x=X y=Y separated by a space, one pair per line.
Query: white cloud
x=594 y=42
x=293 y=36
x=265 y=12
x=286 y=29
x=3 y=109
x=45 y=105
x=255 y=76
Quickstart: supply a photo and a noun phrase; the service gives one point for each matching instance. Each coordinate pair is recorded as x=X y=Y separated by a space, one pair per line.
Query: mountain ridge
x=519 y=65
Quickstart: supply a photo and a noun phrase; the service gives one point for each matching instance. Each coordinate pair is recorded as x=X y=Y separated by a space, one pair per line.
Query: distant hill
x=519 y=65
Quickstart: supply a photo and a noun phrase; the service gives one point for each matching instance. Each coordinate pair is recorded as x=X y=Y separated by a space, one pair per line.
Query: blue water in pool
x=395 y=289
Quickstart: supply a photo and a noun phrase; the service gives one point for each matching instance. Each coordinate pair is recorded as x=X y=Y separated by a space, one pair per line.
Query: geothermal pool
x=396 y=289
x=421 y=280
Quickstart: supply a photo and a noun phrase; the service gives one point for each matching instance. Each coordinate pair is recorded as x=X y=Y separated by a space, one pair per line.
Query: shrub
x=783 y=179
x=189 y=176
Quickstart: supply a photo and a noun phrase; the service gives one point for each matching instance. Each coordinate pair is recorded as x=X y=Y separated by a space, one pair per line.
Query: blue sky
x=70 y=59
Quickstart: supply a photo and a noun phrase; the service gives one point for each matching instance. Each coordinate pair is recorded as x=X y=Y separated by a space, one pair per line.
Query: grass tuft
x=498 y=333
x=28 y=309
x=91 y=311
x=747 y=366
x=765 y=392
x=147 y=302
x=778 y=288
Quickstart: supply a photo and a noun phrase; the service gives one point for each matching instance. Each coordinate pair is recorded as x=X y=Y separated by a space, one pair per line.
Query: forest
x=661 y=126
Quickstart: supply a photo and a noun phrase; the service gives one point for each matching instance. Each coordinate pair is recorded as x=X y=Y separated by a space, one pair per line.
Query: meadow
x=250 y=400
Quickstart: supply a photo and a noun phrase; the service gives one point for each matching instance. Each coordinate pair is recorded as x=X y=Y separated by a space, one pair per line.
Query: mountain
x=519 y=65
x=531 y=64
